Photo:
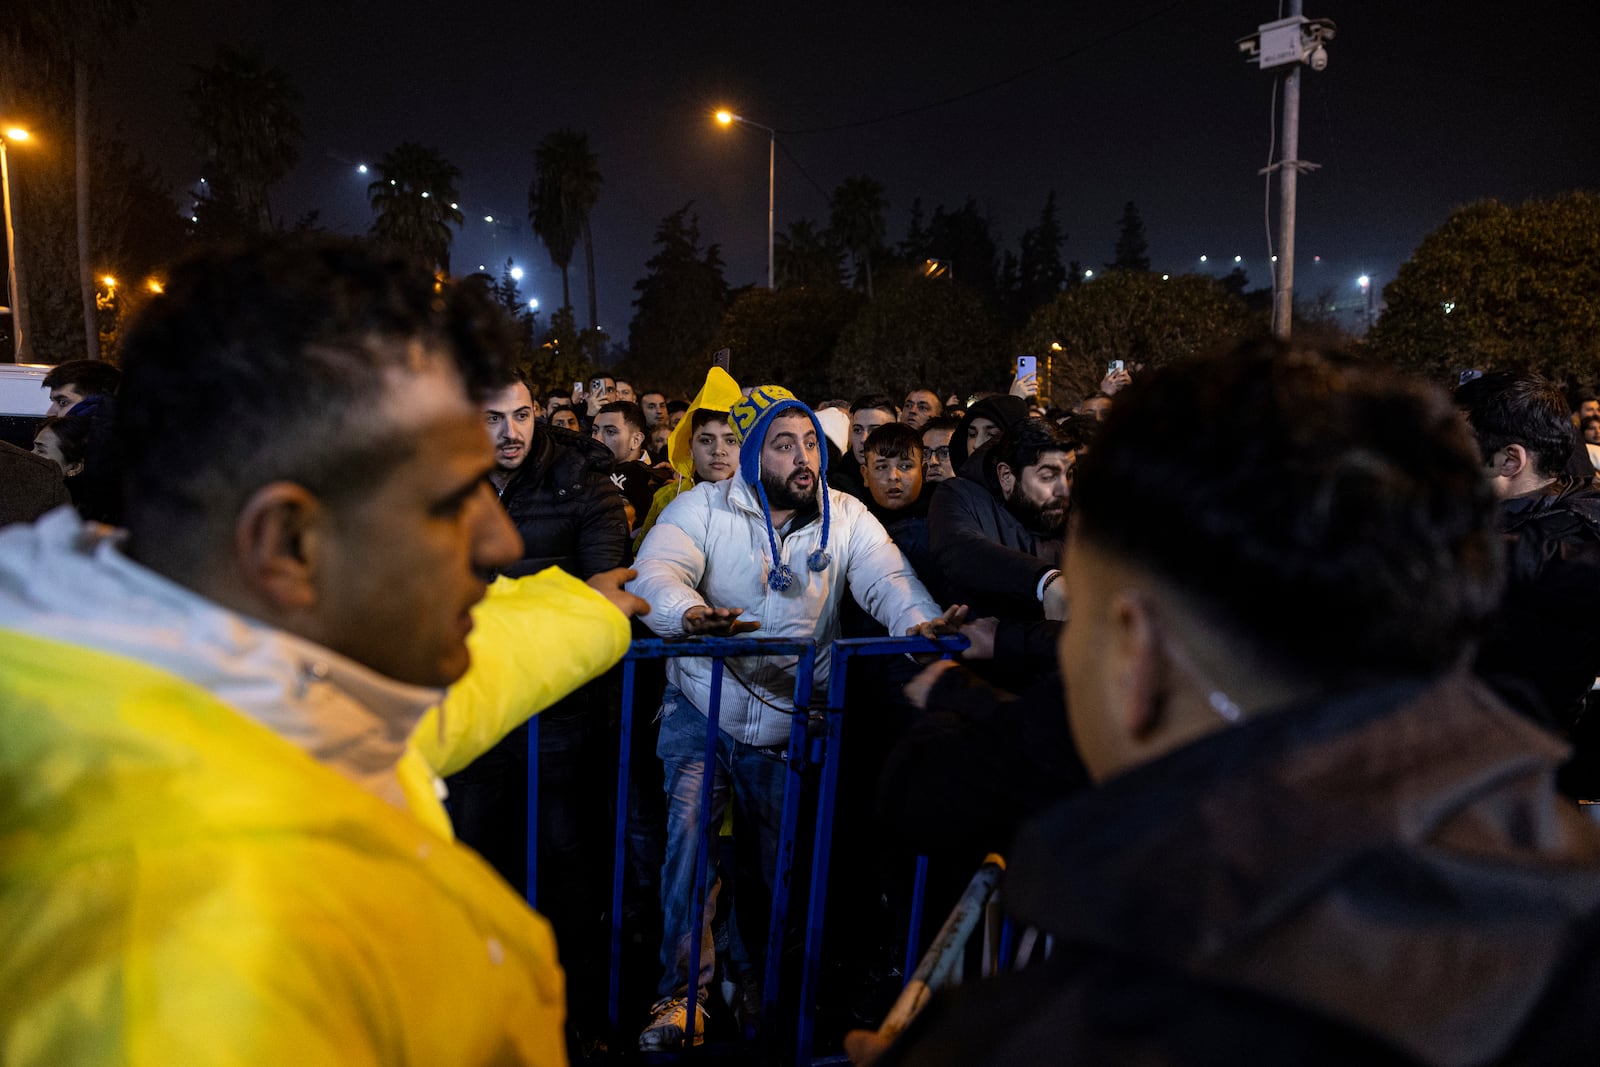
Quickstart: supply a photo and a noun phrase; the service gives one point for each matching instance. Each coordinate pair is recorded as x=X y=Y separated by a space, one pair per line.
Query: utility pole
x=1294 y=42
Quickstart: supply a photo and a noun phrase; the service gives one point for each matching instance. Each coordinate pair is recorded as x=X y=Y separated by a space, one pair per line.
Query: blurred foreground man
x=1316 y=839
x=221 y=839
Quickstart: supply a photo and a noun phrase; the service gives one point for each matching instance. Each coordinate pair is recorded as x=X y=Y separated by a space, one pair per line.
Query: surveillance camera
x=1318 y=58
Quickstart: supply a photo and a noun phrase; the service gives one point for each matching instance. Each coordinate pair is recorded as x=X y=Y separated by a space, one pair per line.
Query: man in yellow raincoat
x=220 y=835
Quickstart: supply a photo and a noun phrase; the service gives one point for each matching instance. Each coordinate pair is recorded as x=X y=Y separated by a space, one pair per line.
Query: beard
x=1051 y=520
x=783 y=495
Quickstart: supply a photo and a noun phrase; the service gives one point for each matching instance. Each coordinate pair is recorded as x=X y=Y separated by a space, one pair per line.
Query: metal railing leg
x=821 y=847
x=620 y=850
x=702 y=855
x=919 y=892
x=783 y=873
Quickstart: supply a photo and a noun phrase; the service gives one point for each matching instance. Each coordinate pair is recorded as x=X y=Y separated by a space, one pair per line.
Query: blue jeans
x=756 y=779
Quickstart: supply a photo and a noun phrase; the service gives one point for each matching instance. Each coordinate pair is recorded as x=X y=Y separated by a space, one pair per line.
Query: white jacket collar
x=68 y=582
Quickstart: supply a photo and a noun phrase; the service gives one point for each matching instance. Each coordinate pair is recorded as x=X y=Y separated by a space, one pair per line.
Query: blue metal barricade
x=803 y=753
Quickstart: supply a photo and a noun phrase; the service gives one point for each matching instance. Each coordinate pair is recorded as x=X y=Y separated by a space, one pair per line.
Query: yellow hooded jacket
x=181 y=885
x=717 y=394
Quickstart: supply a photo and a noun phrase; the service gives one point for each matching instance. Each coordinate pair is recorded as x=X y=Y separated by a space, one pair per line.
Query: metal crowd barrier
x=804 y=753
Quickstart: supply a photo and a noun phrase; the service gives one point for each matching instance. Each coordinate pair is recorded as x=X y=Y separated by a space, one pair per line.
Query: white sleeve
x=671 y=563
x=879 y=575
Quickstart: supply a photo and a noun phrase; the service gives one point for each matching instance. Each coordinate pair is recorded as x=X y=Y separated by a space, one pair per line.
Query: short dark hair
x=1587 y=421
x=632 y=415
x=653 y=392
x=701 y=416
x=677 y=405
x=1334 y=517
x=72 y=435
x=562 y=400
x=248 y=368
x=1521 y=409
x=942 y=422
x=875 y=400
x=1026 y=441
x=894 y=440
x=89 y=377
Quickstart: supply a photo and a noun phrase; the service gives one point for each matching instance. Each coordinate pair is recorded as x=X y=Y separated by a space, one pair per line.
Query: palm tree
x=857 y=219
x=415 y=198
x=245 y=119
x=566 y=185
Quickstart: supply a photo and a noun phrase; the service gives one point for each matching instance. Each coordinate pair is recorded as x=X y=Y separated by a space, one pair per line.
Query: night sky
x=1423 y=107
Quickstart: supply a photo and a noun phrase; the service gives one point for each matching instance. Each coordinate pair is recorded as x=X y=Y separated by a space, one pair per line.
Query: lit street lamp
x=728 y=118
x=12 y=133
x=1366 y=297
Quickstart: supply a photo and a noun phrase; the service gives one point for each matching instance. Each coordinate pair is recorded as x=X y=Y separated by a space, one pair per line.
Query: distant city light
x=110 y=282
x=361 y=168
x=516 y=274
x=154 y=285
x=1088 y=274
x=1449 y=306
x=393 y=182
x=426 y=194
x=534 y=304
x=1316 y=259
x=1164 y=277
x=454 y=206
x=194 y=218
x=1238 y=259
x=1363 y=281
x=488 y=218
x=202 y=181
x=1274 y=259
x=1202 y=259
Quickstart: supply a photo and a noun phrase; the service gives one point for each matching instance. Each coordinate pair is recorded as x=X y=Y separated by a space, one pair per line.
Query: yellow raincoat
x=717 y=394
x=180 y=885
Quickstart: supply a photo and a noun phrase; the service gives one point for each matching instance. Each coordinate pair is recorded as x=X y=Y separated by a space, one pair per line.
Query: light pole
x=12 y=133
x=728 y=118
x=1366 y=298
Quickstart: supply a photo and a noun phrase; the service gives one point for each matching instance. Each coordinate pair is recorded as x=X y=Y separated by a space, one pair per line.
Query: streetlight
x=18 y=134
x=728 y=118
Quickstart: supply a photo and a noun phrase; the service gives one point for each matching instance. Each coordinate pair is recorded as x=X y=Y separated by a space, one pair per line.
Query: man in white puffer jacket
x=772 y=549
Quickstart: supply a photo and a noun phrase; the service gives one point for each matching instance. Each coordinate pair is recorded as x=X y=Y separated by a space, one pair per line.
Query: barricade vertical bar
x=703 y=854
x=822 y=843
x=919 y=891
x=532 y=864
x=1008 y=935
x=804 y=672
x=620 y=851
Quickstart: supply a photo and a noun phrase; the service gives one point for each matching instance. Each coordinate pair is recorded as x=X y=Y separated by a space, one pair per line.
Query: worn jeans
x=755 y=777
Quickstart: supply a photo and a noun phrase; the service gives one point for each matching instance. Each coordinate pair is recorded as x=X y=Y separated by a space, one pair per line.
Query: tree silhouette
x=1041 y=274
x=857 y=219
x=964 y=239
x=806 y=256
x=566 y=185
x=414 y=196
x=680 y=301
x=1132 y=251
x=247 y=126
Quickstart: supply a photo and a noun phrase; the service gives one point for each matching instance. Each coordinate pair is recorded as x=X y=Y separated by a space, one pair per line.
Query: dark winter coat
x=985 y=555
x=1386 y=877
x=1543 y=650
x=563 y=503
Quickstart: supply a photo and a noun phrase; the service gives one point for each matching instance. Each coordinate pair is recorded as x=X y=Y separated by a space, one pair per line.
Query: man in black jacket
x=556 y=486
x=1542 y=652
x=1315 y=838
x=995 y=532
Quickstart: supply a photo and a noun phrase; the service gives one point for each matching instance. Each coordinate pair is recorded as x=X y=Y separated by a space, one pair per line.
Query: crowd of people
x=1276 y=695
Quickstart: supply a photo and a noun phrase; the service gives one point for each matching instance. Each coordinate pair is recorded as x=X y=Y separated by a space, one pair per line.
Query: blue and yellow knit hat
x=751 y=416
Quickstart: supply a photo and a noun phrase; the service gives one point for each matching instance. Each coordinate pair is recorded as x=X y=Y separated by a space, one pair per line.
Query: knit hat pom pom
x=819 y=560
x=781 y=578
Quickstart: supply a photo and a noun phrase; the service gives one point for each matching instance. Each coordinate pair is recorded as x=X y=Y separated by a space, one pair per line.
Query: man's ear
x=275 y=540
x=1510 y=461
x=1008 y=480
x=1136 y=668
x=73 y=470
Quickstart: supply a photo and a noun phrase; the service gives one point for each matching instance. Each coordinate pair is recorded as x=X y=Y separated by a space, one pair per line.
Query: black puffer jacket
x=566 y=508
x=1543 y=650
x=986 y=557
x=1386 y=877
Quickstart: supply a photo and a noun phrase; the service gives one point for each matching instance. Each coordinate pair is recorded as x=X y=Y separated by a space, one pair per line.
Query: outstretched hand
x=609 y=584
x=702 y=621
x=945 y=625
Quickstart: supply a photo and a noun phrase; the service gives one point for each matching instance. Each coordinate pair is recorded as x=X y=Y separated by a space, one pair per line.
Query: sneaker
x=669 y=1018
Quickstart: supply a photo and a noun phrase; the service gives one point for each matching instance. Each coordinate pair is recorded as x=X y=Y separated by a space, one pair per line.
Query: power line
x=992 y=86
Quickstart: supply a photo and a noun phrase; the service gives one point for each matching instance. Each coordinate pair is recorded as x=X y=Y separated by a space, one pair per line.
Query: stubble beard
x=782 y=496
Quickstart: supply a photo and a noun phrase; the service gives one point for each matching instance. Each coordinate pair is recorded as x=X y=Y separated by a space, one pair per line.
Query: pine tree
x=1132 y=251
x=1041 y=274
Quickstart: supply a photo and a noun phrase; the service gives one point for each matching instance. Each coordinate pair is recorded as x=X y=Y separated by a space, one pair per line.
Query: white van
x=23 y=401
